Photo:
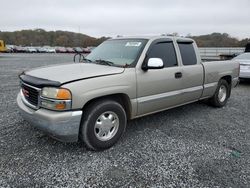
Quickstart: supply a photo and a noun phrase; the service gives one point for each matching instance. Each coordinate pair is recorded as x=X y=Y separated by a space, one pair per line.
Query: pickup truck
x=122 y=79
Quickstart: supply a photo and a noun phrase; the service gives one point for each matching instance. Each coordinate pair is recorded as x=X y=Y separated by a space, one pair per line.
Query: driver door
x=159 y=89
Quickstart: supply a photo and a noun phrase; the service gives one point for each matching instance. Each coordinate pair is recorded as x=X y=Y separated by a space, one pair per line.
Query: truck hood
x=65 y=73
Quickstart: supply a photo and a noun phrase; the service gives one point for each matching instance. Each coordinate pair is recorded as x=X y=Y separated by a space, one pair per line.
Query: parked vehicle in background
x=19 y=49
x=49 y=49
x=41 y=49
x=91 y=48
x=244 y=60
x=247 y=49
x=78 y=50
x=10 y=48
x=2 y=46
x=30 y=49
x=70 y=50
x=123 y=78
x=61 y=50
x=86 y=50
x=46 y=49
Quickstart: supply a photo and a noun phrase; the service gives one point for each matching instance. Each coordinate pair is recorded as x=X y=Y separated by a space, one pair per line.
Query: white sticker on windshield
x=136 y=44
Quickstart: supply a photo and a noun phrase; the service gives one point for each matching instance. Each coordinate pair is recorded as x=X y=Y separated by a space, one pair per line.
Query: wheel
x=221 y=95
x=103 y=124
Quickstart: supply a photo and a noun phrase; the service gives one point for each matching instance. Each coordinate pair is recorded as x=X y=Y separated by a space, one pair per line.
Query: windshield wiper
x=81 y=58
x=126 y=65
x=85 y=59
x=104 y=62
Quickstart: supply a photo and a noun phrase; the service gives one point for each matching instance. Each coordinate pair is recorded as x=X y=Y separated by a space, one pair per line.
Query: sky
x=128 y=17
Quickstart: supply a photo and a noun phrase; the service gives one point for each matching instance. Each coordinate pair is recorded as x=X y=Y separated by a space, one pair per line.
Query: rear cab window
x=188 y=54
x=164 y=50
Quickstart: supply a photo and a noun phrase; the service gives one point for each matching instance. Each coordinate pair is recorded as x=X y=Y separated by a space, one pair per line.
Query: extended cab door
x=192 y=71
x=159 y=89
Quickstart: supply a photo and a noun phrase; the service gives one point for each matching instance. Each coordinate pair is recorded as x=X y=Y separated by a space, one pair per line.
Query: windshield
x=243 y=56
x=121 y=52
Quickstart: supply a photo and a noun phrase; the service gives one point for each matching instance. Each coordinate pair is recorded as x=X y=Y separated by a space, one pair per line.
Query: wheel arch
x=121 y=98
x=228 y=79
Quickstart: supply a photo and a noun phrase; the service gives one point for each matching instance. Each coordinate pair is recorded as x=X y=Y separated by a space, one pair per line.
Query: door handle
x=178 y=75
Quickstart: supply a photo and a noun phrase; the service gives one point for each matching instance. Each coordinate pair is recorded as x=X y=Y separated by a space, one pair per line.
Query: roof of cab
x=154 y=37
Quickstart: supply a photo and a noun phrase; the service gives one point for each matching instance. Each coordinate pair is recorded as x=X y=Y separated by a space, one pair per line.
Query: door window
x=165 y=51
x=188 y=54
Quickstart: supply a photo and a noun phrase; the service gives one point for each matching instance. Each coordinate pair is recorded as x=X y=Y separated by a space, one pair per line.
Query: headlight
x=56 y=93
x=56 y=98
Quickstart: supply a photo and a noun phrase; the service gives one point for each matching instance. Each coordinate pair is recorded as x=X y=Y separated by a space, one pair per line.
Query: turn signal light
x=63 y=94
x=60 y=106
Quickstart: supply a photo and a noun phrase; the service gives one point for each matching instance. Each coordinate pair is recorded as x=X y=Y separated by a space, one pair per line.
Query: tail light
x=239 y=70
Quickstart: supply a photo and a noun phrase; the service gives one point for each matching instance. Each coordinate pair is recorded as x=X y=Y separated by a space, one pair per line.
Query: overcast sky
x=128 y=17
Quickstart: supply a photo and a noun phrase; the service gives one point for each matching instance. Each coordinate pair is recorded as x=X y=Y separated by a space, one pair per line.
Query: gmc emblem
x=25 y=92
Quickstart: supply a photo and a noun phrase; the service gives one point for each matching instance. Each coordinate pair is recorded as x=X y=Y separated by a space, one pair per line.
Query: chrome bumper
x=63 y=126
x=245 y=74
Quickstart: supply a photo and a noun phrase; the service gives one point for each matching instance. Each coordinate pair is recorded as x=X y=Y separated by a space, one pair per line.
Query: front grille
x=31 y=94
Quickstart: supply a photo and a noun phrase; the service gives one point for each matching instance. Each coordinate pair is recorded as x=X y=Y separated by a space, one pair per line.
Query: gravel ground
x=191 y=146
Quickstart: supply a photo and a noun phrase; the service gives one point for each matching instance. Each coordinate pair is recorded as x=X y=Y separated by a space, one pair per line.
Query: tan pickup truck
x=122 y=79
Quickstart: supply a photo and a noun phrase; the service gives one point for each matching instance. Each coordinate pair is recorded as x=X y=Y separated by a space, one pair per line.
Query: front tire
x=221 y=95
x=103 y=124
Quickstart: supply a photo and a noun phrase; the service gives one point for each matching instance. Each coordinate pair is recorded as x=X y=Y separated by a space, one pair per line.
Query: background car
x=86 y=50
x=19 y=49
x=41 y=49
x=30 y=49
x=61 y=50
x=70 y=50
x=10 y=48
x=244 y=60
x=78 y=50
x=49 y=49
x=91 y=48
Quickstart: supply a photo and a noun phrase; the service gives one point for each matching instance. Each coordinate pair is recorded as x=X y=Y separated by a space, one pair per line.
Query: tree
x=40 y=37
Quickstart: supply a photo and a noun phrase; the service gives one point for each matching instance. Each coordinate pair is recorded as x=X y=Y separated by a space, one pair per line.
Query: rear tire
x=221 y=95
x=103 y=124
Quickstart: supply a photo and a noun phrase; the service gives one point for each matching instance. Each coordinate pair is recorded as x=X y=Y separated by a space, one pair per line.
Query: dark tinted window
x=247 y=48
x=187 y=53
x=165 y=51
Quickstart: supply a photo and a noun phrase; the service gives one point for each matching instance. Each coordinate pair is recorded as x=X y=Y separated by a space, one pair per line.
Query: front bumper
x=63 y=126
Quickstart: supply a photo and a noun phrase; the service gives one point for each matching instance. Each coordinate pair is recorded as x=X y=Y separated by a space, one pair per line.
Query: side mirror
x=153 y=63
